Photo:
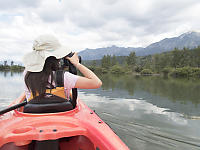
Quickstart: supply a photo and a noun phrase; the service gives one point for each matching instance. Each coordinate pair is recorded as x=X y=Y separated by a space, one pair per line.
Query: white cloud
x=17 y=4
x=90 y=24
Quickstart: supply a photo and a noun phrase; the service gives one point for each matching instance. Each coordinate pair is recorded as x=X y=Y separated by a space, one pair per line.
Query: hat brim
x=35 y=60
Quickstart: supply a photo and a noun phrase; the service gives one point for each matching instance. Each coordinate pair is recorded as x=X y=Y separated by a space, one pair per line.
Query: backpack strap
x=59 y=78
x=59 y=81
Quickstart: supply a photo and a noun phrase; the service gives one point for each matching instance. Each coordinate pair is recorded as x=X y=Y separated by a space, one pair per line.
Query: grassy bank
x=184 y=72
x=14 y=68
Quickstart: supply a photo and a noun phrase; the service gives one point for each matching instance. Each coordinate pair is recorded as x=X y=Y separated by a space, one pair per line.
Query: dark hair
x=38 y=81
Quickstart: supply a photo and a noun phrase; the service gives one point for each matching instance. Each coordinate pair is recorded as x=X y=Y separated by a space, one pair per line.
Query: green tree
x=106 y=61
x=11 y=63
x=103 y=61
x=131 y=59
x=184 y=57
x=94 y=63
x=5 y=63
x=175 y=58
x=113 y=60
x=156 y=62
x=196 y=57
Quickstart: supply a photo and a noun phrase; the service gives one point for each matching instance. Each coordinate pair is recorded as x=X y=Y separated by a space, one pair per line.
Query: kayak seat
x=44 y=145
x=12 y=146
x=79 y=142
x=49 y=104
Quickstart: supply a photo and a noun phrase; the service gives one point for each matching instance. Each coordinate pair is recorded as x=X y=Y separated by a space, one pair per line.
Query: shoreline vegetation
x=178 y=63
x=11 y=67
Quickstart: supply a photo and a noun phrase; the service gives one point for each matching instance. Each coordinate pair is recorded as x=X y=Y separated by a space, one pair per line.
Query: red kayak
x=77 y=129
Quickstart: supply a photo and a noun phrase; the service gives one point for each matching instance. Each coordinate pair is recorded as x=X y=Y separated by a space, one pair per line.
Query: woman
x=43 y=61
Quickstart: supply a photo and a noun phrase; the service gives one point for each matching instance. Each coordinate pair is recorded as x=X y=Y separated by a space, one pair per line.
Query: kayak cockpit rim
x=69 y=112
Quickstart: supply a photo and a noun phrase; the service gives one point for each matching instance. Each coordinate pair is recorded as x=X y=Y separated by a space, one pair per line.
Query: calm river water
x=147 y=113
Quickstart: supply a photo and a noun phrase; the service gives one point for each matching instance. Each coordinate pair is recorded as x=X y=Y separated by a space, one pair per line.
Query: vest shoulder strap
x=59 y=78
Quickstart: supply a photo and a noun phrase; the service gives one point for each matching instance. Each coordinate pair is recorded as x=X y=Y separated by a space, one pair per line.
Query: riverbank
x=177 y=63
x=184 y=72
x=13 y=68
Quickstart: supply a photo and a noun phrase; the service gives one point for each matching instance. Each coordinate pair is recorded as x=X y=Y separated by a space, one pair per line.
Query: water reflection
x=119 y=82
x=175 y=89
x=11 y=87
x=144 y=126
x=148 y=113
x=177 y=95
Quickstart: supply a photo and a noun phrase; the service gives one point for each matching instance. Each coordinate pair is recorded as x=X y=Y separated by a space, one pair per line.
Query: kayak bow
x=79 y=128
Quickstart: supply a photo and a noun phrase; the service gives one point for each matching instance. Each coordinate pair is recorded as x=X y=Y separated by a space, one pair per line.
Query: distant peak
x=192 y=32
x=196 y=33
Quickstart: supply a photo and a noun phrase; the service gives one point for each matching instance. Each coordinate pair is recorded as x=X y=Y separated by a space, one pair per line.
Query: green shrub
x=11 y=68
x=16 y=68
x=166 y=71
x=116 y=69
x=92 y=68
x=138 y=69
x=183 y=72
x=104 y=70
x=146 y=72
x=98 y=69
x=195 y=72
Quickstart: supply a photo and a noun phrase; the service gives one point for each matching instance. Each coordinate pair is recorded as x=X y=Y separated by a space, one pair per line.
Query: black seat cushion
x=48 y=104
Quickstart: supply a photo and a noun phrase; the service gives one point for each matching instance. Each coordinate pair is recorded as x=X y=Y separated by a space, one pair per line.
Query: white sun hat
x=43 y=47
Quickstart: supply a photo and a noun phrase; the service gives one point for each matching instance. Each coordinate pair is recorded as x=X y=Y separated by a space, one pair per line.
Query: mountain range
x=188 y=40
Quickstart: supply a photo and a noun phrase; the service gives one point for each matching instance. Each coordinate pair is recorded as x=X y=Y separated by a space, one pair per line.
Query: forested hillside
x=184 y=63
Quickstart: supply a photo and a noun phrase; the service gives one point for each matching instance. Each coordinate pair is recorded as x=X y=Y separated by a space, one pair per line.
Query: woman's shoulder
x=68 y=75
x=70 y=79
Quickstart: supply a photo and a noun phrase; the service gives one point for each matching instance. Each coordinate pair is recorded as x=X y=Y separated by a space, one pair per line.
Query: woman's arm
x=90 y=80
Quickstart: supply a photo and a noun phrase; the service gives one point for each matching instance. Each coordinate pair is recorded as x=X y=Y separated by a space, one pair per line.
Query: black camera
x=65 y=62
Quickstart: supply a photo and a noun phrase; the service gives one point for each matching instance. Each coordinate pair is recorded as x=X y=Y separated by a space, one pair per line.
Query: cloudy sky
x=81 y=24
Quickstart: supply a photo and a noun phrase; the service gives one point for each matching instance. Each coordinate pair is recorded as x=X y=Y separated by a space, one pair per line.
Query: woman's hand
x=90 y=80
x=74 y=59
